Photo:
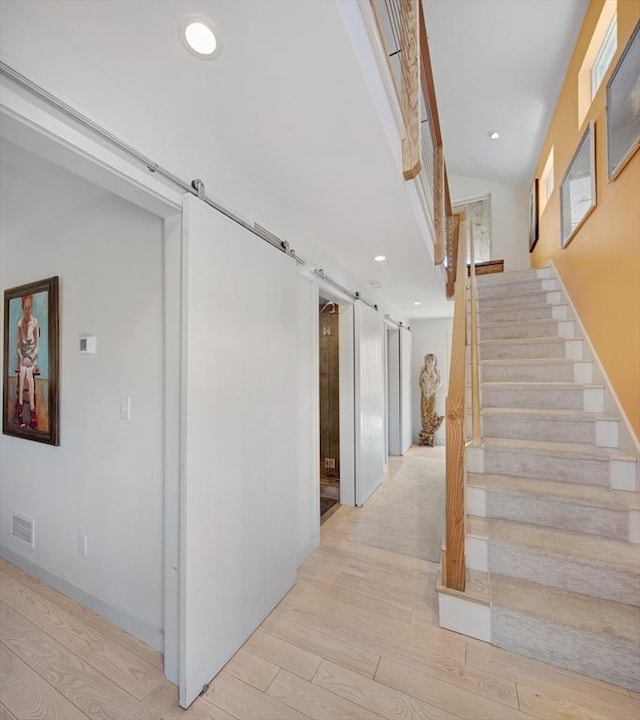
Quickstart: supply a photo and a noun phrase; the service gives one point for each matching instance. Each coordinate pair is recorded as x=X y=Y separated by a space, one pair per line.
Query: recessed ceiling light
x=375 y=284
x=494 y=135
x=417 y=302
x=379 y=258
x=200 y=37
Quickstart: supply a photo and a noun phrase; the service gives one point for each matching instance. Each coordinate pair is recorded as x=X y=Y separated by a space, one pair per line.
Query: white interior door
x=237 y=534
x=406 y=434
x=369 y=400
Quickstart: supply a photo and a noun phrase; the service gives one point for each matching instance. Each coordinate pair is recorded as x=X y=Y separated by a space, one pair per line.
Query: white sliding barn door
x=406 y=434
x=393 y=391
x=238 y=530
x=370 y=403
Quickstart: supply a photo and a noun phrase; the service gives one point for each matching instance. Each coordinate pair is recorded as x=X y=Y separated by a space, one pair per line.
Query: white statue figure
x=430 y=383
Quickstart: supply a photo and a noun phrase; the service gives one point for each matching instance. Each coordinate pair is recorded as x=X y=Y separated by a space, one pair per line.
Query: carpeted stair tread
x=576 y=494
x=542 y=292
x=577 y=546
x=551 y=413
x=533 y=322
x=561 y=607
x=556 y=449
x=509 y=276
x=525 y=340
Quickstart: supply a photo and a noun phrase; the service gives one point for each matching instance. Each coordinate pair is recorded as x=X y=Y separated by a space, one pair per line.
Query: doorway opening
x=329 y=402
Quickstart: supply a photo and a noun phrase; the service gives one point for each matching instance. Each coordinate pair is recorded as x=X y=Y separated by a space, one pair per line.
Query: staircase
x=554 y=502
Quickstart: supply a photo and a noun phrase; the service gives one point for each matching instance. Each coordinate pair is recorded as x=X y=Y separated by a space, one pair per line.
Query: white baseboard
x=143 y=630
x=464 y=617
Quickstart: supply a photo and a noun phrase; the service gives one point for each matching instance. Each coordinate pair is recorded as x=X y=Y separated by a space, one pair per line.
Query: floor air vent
x=22 y=528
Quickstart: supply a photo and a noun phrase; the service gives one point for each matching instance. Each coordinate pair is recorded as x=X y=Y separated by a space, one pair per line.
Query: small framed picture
x=578 y=187
x=31 y=373
x=533 y=215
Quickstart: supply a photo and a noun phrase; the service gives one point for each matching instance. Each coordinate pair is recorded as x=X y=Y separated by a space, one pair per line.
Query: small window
x=547 y=180
x=604 y=56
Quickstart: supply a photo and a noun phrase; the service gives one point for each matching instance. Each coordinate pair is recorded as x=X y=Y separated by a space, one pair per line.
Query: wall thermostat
x=88 y=344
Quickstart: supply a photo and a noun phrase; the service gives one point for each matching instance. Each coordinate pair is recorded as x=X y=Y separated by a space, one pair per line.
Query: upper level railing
x=402 y=30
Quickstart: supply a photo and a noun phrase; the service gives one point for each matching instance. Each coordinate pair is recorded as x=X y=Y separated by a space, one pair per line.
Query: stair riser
x=515 y=289
x=514 y=276
x=530 y=372
x=603 y=658
x=506 y=303
x=521 y=351
x=561 y=571
x=538 y=399
x=554 y=513
x=548 y=467
x=525 y=330
x=545 y=312
x=546 y=430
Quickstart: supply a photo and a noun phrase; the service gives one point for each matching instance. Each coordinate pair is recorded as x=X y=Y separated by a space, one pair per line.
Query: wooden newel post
x=454 y=566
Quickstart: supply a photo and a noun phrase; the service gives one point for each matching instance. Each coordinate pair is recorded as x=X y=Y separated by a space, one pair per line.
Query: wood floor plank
x=458 y=674
x=554 y=681
x=26 y=696
x=284 y=654
x=157 y=703
x=246 y=703
x=127 y=670
x=375 y=556
x=314 y=701
x=364 y=598
x=200 y=709
x=452 y=698
x=252 y=669
x=395 y=633
x=361 y=637
x=80 y=683
x=5 y=714
x=323 y=645
x=122 y=638
x=384 y=701
x=547 y=706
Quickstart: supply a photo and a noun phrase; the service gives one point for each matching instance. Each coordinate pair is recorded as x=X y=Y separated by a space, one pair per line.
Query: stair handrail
x=473 y=320
x=453 y=568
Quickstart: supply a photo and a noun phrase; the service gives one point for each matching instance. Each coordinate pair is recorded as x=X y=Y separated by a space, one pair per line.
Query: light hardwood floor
x=357 y=637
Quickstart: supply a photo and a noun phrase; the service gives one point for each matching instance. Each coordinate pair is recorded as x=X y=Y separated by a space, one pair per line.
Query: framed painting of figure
x=30 y=388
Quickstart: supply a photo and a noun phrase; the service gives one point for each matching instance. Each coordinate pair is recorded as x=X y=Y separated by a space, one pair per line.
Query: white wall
x=430 y=336
x=509 y=217
x=106 y=477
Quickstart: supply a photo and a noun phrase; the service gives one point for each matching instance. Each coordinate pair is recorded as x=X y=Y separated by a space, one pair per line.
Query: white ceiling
x=282 y=127
x=499 y=65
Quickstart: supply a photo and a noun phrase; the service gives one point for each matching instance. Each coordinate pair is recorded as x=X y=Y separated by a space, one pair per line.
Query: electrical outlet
x=82 y=544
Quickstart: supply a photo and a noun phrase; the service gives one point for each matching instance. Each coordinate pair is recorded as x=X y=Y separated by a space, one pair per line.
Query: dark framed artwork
x=623 y=107
x=31 y=372
x=533 y=215
x=578 y=187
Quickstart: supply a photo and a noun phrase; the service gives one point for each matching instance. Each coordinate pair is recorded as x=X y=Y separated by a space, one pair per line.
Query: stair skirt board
x=582 y=652
x=559 y=543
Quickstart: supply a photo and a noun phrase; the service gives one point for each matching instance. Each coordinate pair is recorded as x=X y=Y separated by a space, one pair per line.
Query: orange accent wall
x=601 y=265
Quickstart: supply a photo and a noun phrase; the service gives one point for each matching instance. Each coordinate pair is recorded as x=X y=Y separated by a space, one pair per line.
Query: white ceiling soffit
x=281 y=126
x=499 y=65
